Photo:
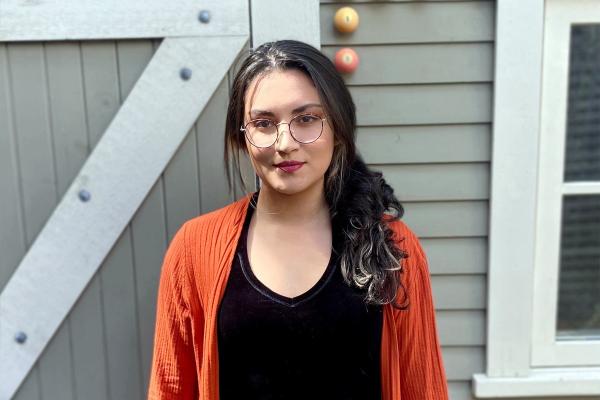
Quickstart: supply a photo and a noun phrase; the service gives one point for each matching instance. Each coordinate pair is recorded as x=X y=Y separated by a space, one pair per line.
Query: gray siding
x=423 y=92
x=56 y=100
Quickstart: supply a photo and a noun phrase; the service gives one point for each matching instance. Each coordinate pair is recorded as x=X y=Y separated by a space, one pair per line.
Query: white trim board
x=547 y=383
x=119 y=19
x=517 y=85
x=119 y=173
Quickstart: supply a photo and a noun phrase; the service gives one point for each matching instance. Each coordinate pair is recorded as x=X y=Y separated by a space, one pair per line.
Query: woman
x=304 y=289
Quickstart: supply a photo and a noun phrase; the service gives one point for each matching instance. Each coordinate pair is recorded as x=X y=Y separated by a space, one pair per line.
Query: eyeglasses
x=304 y=128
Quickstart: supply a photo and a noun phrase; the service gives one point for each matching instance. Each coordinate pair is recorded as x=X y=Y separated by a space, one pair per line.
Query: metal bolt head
x=84 y=195
x=185 y=73
x=204 y=16
x=20 y=337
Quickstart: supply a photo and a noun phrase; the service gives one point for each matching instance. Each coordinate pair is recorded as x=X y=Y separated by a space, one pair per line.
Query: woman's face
x=279 y=96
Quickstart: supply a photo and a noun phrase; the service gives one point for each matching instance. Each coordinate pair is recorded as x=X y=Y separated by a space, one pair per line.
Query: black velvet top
x=323 y=344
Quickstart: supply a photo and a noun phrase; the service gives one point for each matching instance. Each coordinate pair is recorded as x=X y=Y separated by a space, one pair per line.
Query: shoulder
x=405 y=236
x=203 y=231
x=407 y=240
x=226 y=217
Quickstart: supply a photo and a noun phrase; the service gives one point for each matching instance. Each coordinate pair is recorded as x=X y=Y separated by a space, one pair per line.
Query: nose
x=285 y=142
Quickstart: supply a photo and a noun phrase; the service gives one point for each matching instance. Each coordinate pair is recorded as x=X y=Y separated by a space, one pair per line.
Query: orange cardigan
x=192 y=282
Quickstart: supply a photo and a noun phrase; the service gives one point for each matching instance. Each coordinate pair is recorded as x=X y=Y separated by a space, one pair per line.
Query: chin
x=287 y=188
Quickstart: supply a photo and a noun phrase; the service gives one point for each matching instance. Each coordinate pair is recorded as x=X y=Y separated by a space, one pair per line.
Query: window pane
x=582 y=158
x=579 y=283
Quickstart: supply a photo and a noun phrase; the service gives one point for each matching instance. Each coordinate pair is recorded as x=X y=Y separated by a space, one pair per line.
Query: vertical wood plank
x=148 y=227
x=149 y=218
x=32 y=128
x=182 y=191
x=87 y=335
x=55 y=366
x=102 y=100
x=12 y=235
x=34 y=151
x=67 y=110
x=117 y=272
x=101 y=82
x=120 y=324
x=210 y=129
x=67 y=116
x=30 y=388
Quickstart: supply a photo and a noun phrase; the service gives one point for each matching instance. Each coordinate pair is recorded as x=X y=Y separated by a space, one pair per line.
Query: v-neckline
x=257 y=284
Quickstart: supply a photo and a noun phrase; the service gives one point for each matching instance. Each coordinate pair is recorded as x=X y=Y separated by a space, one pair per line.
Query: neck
x=307 y=206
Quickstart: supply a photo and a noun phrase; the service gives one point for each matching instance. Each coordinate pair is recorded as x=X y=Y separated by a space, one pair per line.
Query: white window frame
x=519 y=361
x=546 y=350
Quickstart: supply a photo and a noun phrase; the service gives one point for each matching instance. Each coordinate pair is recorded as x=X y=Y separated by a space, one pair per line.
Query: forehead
x=280 y=91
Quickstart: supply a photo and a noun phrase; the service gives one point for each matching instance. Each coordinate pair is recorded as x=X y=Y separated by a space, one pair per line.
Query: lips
x=289 y=166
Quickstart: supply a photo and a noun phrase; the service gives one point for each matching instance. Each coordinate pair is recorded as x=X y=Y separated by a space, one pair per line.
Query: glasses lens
x=306 y=128
x=261 y=132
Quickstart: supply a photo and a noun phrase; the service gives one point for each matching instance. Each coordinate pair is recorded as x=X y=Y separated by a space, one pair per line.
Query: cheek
x=259 y=158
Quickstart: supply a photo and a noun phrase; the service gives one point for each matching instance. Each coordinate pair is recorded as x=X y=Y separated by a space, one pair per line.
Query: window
x=566 y=324
x=544 y=244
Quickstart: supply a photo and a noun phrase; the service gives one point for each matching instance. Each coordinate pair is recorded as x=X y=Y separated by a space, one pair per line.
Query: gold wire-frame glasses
x=263 y=132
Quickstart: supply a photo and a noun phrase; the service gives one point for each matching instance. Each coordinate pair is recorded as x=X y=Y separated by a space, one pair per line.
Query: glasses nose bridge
x=283 y=123
x=288 y=129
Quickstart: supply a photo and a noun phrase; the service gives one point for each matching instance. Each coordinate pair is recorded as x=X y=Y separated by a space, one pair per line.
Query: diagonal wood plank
x=115 y=19
x=124 y=165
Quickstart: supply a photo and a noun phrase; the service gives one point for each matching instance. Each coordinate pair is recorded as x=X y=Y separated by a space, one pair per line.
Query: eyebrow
x=256 y=112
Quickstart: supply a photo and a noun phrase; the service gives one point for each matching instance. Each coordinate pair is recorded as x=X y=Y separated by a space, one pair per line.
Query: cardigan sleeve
x=422 y=370
x=173 y=369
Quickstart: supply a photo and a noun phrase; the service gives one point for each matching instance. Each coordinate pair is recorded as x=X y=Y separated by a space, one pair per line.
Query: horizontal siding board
x=466 y=181
x=420 y=63
x=456 y=255
x=459 y=292
x=461 y=327
x=424 y=143
x=420 y=22
x=447 y=219
x=423 y=104
x=462 y=362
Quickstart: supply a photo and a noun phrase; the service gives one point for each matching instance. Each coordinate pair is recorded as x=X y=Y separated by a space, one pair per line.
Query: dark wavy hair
x=360 y=202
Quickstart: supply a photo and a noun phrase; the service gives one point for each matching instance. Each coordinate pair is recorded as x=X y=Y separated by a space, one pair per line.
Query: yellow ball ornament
x=346 y=20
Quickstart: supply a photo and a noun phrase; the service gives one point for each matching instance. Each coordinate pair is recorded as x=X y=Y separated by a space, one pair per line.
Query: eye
x=262 y=124
x=307 y=119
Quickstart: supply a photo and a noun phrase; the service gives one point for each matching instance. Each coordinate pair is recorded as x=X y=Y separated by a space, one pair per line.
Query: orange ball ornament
x=346 y=60
x=346 y=20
